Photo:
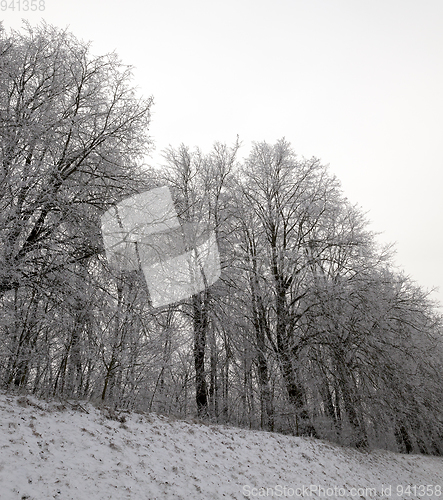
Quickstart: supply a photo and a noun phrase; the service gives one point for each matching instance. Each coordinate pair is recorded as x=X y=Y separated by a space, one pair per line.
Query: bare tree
x=294 y=203
x=198 y=181
x=71 y=132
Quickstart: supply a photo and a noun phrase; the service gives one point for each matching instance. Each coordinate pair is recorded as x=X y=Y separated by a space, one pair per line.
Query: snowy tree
x=72 y=132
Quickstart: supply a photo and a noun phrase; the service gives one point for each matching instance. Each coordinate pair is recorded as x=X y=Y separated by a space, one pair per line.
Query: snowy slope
x=51 y=452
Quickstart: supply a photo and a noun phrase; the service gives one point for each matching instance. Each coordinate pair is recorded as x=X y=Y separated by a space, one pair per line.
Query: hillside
x=55 y=451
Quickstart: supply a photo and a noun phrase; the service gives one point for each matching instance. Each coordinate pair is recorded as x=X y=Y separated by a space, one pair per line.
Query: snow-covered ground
x=53 y=451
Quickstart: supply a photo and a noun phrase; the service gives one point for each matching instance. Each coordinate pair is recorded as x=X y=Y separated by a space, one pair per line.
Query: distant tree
x=376 y=351
x=198 y=182
x=253 y=299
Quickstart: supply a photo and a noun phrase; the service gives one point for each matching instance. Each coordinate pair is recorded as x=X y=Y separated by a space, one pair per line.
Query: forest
x=310 y=330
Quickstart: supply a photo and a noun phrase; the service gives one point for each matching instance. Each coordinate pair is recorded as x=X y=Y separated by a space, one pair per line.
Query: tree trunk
x=199 y=302
x=352 y=407
x=213 y=386
x=266 y=409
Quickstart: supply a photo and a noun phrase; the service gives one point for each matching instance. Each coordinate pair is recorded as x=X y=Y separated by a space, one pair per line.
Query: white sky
x=356 y=83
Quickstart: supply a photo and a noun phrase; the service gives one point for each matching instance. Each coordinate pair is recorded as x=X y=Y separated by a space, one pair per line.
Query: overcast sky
x=356 y=83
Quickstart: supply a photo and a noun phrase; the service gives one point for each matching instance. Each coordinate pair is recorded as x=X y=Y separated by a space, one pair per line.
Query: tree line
x=311 y=329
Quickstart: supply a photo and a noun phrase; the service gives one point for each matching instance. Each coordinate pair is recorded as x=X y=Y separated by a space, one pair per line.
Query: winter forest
x=311 y=329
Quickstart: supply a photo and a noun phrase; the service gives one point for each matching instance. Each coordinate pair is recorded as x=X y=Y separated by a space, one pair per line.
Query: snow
x=75 y=451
